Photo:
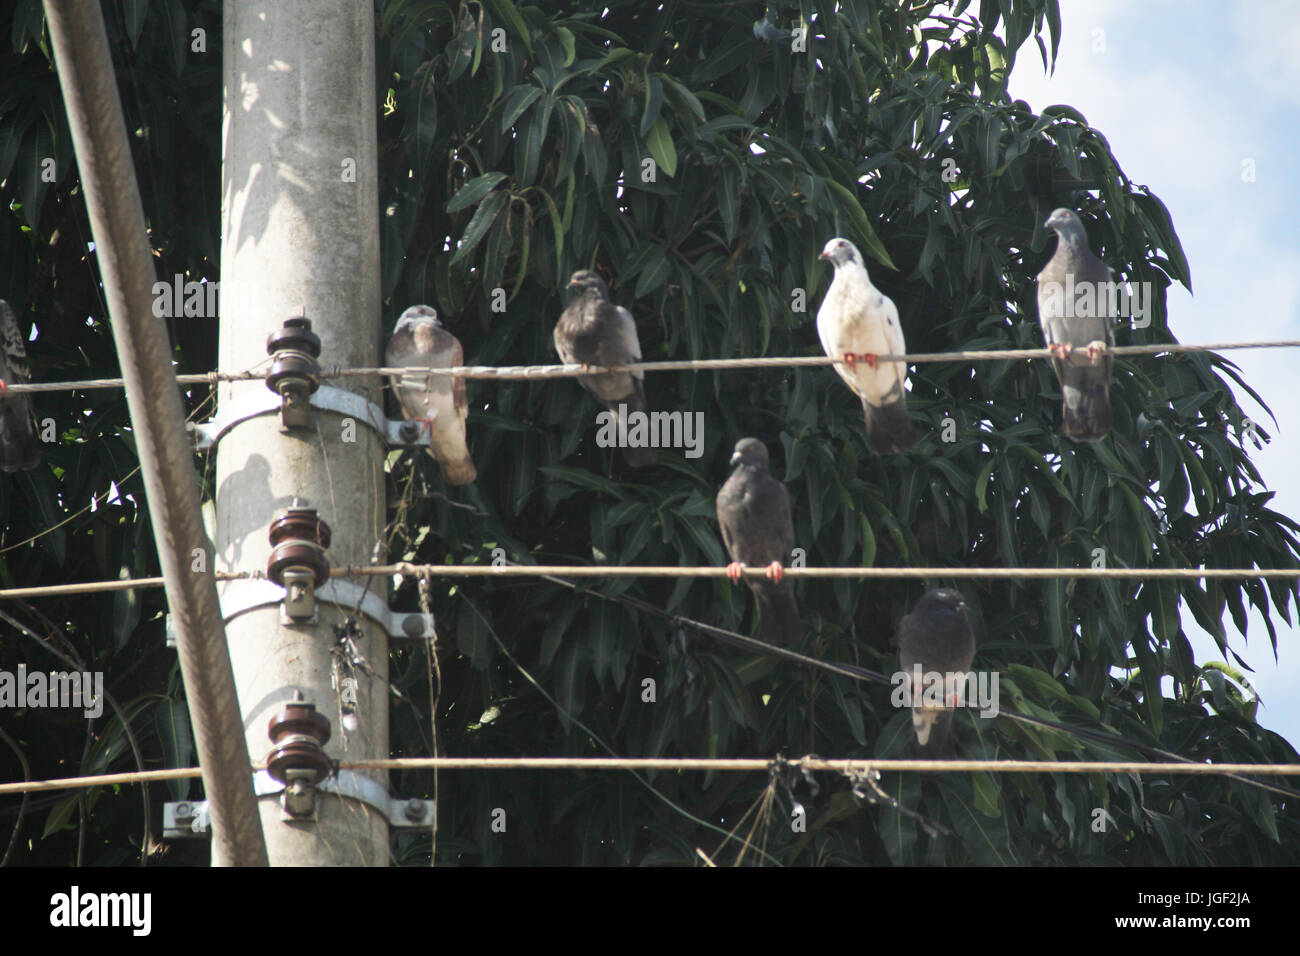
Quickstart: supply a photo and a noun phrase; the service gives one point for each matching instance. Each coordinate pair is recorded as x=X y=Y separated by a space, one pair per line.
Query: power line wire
x=674 y=365
x=856 y=672
x=840 y=765
x=864 y=674
x=406 y=569
x=733 y=764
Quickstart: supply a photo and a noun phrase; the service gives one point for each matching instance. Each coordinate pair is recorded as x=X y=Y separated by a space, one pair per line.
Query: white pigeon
x=856 y=323
x=438 y=401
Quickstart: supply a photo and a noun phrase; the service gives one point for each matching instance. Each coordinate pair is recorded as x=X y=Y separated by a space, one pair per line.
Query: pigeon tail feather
x=636 y=457
x=778 y=615
x=458 y=472
x=1085 y=412
x=18 y=448
x=939 y=744
x=889 y=427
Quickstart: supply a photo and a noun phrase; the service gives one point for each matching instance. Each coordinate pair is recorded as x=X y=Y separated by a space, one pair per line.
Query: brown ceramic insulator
x=297 y=753
x=299 y=538
x=294 y=349
x=299 y=731
x=295 y=553
x=302 y=523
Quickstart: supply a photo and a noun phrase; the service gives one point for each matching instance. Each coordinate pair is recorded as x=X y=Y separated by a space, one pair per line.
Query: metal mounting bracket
x=255 y=403
x=189 y=818
x=236 y=597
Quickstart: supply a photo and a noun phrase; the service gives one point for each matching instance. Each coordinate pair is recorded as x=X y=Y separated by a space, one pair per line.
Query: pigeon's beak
x=823 y=255
x=735 y=459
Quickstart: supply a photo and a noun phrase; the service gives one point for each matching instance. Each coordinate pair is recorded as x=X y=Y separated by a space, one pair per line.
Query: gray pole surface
x=85 y=70
x=300 y=235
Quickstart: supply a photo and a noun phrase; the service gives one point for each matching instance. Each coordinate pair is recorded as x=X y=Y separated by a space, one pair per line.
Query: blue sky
x=1186 y=93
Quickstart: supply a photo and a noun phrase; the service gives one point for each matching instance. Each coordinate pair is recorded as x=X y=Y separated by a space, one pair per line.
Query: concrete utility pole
x=300 y=235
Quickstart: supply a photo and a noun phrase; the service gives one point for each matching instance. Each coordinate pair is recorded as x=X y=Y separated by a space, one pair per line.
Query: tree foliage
x=515 y=143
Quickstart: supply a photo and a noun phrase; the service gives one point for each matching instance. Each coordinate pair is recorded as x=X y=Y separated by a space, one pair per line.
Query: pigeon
x=754 y=513
x=937 y=636
x=595 y=331
x=1077 y=314
x=856 y=323
x=438 y=401
x=18 y=448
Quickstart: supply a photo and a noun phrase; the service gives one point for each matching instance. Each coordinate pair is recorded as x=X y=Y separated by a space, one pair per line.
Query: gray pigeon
x=18 y=448
x=856 y=323
x=754 y=513
x=937 y=636
x=1077 y=314
x=419 y=340
x=595 y=331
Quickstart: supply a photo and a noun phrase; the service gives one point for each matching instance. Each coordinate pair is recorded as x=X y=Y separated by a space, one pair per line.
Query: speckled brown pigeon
x=1077 y=314
x=592 y=330
x=420 y=341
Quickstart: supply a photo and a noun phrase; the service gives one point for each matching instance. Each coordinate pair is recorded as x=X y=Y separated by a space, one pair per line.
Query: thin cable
x=733 y=764
x=96 y=500
x=674 y=365
x=127 y=584
x=22 y=806
x=406 y=569
x=1104 y=739
x=739 y=640
x=654 y=791
x=838 y=765
x=73 y=660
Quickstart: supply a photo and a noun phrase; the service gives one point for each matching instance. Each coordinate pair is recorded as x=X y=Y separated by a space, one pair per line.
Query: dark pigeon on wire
x=754 y=514
x=592 y=330
x=1077 y=314
x=938 y=637
x=19 y=450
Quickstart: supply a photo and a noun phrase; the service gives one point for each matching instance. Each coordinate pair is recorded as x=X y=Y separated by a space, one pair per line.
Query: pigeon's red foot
x=735 y=571
x=849 y=359
x=1095 y=351
x=869 y=358
x=775 y=571
x=1060 y=351
x=426 y=424
x=3 y=386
